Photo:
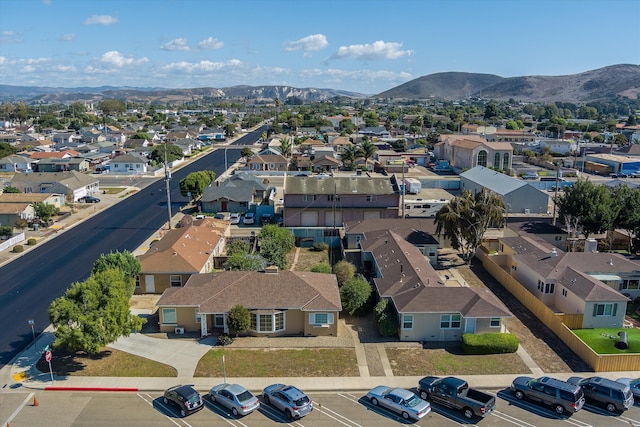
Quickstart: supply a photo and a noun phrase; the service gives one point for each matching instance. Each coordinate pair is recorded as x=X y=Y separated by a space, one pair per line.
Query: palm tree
x=348 y=155
x=466 y=218
x=285 y=146
x=367 y=149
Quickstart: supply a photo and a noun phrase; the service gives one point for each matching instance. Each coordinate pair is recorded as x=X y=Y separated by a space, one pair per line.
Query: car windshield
x=413 y=401
x=244 y=396
x=193 y=398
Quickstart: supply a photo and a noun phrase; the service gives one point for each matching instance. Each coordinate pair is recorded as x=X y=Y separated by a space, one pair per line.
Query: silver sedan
x=400 y=401
x=234 y=397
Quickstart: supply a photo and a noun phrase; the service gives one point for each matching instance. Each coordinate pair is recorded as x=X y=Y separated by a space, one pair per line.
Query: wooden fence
x=561 y=324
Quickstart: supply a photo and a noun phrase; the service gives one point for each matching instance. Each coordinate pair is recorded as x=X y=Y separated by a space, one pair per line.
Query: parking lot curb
x=56 y=388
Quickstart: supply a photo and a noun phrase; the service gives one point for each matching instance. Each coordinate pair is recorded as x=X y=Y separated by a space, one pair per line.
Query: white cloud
x=308 y=44
x=210 y=43
x=118 y=60
x=101 y=20
x=68 y=37
x=201 y=66
x=375 y=50
x=176 y=44
x=10 y=37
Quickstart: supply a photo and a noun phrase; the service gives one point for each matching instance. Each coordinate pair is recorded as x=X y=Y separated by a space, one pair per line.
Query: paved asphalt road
x=30 y=283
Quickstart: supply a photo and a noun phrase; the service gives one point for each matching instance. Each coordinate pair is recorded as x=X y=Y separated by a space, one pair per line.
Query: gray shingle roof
x=362 y=185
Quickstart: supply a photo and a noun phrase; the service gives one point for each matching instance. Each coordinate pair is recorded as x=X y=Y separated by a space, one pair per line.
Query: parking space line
x=377 y=409
x=324 y=409
x=210 y=405
x=276 y=414
x=511 y=419
x=631 y=421
x=577 y=422
x=164 y=410
x=19 y=408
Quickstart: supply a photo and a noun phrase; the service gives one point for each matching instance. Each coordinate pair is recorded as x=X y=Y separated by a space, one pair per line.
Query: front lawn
x=320 y=362
x=602 y=340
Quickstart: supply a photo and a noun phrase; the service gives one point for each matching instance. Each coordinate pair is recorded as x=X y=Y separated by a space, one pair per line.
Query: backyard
x=602 y=340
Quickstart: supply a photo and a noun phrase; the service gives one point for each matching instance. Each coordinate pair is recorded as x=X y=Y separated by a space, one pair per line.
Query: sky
x=364 y=46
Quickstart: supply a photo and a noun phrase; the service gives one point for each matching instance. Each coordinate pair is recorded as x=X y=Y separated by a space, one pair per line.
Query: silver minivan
x=609 y=394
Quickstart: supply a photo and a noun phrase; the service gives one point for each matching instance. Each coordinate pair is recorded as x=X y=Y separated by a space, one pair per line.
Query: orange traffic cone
x=35 y=401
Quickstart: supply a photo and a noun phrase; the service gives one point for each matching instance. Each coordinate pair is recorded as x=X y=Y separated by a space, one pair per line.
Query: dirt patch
x=546 y=349
x=144 y=302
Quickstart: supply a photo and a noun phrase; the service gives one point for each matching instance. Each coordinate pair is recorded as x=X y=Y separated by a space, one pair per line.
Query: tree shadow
x=65 y=363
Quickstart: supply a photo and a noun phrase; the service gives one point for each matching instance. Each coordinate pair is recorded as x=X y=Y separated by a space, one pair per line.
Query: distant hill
x=31 y=94
x=601 y=84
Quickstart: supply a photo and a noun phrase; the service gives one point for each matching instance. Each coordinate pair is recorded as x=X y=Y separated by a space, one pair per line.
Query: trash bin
x=36 y=227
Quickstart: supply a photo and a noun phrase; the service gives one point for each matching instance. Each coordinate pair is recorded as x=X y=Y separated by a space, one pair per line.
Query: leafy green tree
x=141 y=135
x=275 y=244
x=238 y=319
x=348 y=156
x=346 y=126
x=386 y=318
x=230 y=130
x=112 y=107
x=237 y=246
x=94 y=313
x=44 y=211
x=627 y=202
x=245 y=262
x=173 y=152
x=246 y=153
x=321 y=267
x=7 y=150
x=493 y=112
x=196 y=182
x=632 y=120
x=465 y=219
x=620 y=139
x=124 y=261
x=344 y=271
x=10 y=189
x=354 y=294
x=285 y=146
x=6 y=230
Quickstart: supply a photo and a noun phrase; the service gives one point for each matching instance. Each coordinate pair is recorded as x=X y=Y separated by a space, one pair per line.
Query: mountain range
x=596 y=85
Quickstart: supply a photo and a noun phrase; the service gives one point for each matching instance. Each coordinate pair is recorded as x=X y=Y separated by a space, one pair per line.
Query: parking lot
x=350 y=409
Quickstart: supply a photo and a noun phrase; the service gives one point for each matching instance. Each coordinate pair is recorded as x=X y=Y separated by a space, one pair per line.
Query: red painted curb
x=52 y=388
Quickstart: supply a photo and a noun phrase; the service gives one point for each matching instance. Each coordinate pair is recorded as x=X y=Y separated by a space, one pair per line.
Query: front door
x=470 y=325
x=224 y=205
x=149 y=284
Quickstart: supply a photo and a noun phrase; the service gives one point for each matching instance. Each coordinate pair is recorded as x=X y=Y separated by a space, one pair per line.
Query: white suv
x=249 y=218
x=234 y=218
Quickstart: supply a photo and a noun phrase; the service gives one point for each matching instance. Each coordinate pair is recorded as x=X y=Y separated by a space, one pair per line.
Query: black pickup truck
x=456 y=393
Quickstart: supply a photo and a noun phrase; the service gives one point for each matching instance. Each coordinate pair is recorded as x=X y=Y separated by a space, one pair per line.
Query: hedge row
x=494 y=343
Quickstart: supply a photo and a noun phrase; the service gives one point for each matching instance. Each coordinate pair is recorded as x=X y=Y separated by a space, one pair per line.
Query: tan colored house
x=56 y=200
x=181 y=253
x=268 y=162
x=280 y=303
x=469 y=151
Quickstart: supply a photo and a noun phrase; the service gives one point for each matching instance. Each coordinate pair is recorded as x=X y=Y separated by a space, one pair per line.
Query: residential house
x=11 y=212
x=325 y=163
x=129 y=164
x=417 y=231
x=73 y=185
x=56 y=200
x=584 y=283
x=15 y=163
x=312 y=201
x=541 y=228
x=268 y=162
x=280 y=303
x=235 y=194
x=338 y=144
x=518 y=195
x=78 y=164
x=177 y=135
x=469 y=151
x=180 y=253
x=428 y=309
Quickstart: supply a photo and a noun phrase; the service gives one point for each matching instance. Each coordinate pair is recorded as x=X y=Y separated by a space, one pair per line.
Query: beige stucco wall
x=311 y=330
x=161 y=282
x=186 y=318
x=426 y=327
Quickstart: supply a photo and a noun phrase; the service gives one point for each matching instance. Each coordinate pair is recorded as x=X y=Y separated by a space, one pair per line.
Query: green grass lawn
x=599 y=339
x=113 y=190
x=319 y=362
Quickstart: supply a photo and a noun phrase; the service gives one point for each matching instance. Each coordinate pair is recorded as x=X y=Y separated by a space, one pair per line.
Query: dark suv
x=560 y=395
x=185 y=397
x=609 y=394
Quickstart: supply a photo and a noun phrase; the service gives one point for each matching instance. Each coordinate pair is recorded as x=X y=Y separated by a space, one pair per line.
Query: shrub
x=386 y=318
x=21 y=223
x=492 y=343
x=320 y=247
x=224 y=339
x=31 y=241
x=354 y=294
x=344 y=271
x=18 y=248
x=321 y=268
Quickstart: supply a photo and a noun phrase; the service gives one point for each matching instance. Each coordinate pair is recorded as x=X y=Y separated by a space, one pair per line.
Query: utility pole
x=555 y=196
x=167 y=178
x=404 y=187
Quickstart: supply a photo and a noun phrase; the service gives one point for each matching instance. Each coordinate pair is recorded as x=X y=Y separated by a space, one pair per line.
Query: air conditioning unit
x=527 y=211
x=179 y=331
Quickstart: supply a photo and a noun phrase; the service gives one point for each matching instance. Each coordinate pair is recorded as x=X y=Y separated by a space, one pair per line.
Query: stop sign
x=47 y=356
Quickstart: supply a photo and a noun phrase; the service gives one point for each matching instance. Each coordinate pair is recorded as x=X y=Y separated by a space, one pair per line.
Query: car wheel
x=611 y=407
x=519 y=395
x=234 y=411
x=183 y=413
x=288 y=414
x=266 y=399
x=559 y=409
x=374 y=401
x=424 y=395
x=165 y=400
x=405 y=415
x=468 y=413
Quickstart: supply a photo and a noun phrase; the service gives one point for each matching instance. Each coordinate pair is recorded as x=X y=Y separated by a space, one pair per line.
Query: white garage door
x=329 y=216
x=371 y=214
x=309 y=219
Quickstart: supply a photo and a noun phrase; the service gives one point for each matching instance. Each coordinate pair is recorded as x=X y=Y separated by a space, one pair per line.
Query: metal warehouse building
x=618 y=163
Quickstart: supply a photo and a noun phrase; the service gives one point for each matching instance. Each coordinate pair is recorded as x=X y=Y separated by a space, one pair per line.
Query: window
x=321 y=318
x=607 y=309
x=546 y=288
x=505 y=161
x=371 y=198
x=272 y=166
x=564 y=292
x=494 y=322
x=169 y=316
x=175 y=281
x=450 y=321
x=279 y=321
x=267 y=323
x=219 y=320
x=332 y=197
x=308 y=197
x=630 y=284
x=496 y=161
x=482 y=158
x=137 y=281
x=407 y=321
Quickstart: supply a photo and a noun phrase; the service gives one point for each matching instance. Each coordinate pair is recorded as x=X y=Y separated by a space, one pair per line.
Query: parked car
x=635 y=175
x=89 y=199
x=456 y=393
x=234 y=397
x=399 y=400
x=634 y=385
x=560 y=395
x=294 y=403
x=249 y=218
x=234 y=218
x=185 y=398
x=265 y=219
x=609 y=394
